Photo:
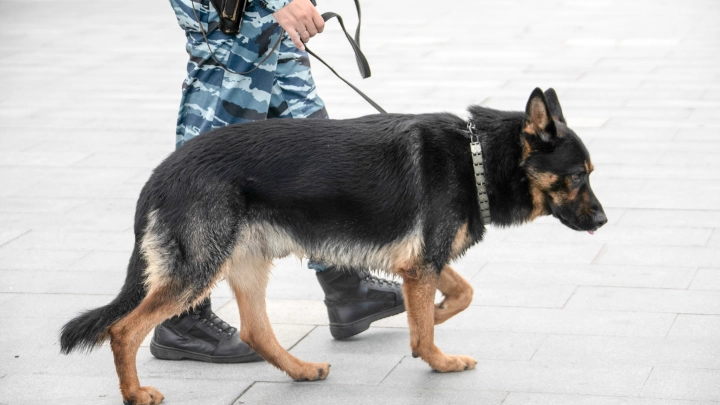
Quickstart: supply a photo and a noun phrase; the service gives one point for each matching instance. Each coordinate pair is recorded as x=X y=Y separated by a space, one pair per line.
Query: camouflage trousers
x=282 y=87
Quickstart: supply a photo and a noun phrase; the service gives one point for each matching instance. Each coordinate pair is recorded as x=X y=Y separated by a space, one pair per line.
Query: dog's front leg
x=457 y=294
x=419 y=290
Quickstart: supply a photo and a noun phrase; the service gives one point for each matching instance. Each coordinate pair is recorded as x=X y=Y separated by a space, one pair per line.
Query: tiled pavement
x=630 y=316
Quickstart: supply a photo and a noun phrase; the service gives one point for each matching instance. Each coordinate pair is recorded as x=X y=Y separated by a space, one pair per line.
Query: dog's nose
x=600 y=219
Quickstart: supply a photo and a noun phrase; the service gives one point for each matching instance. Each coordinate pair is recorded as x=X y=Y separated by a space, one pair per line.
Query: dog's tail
x=90 y=329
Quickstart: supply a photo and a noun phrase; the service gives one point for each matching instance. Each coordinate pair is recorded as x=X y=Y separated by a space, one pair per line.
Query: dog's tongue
x=591 y=232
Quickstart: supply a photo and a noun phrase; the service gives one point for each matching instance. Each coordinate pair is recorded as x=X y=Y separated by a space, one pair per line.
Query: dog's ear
x=554 y=105
x=537 y=117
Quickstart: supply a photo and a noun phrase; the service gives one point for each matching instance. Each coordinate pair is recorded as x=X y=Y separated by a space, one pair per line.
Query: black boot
x=200 y=335
x=355 y=299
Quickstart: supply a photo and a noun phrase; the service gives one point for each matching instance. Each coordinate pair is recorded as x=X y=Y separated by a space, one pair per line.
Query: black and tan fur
x=391 y=192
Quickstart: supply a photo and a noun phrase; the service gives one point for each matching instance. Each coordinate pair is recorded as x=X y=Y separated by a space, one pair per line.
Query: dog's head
x=558 y=166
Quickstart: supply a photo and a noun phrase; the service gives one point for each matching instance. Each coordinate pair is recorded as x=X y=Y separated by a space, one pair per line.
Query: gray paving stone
x=618 y=193
x=148 y=366
x=671 y=217
x=34 y=281
x=526 y=398
x=706 y=279
x=687 y=159
x=646 y=300
x=13 y=259
x=535 y=252
x=72 y=240
x=103 y=390
x=526 y=376
x=14 y=143
x=392 y=342
x=504 y=295
x=528 y=274
x=37 y=205
x=68 y=182
x=42 y=306
x=151 y=145
x=323 y=393
x=644 y=235
x=5 y=297
x=676 y=256
x=101 y=261
x=89 y=390
x=664 y=170
x=640 y=146
x=8 y=234
x=625 y=123
x=73 y=221
x=683 y=383
x=44 y=356
x=30 y=158
x=660 y=194
x=714 y=238
x=53 y=139
x=119 y=159
x=561 y=321
x=82 y=282
x=667 y=352
x=696 y=326
x=367 y=369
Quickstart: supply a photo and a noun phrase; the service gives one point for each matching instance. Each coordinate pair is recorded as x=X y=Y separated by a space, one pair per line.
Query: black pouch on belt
x=231 y=14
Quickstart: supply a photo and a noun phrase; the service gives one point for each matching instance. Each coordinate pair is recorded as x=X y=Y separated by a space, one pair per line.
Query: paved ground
x=628 y=316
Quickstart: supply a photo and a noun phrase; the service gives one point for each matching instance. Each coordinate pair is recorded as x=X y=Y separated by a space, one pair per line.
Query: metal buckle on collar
x=474 y=138
x=479 y=169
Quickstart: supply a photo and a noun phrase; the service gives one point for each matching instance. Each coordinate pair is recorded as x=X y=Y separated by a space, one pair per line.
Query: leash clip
x=474 y=138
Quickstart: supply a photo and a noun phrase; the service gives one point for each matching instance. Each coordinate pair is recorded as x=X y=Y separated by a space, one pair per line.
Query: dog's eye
x=577 y=176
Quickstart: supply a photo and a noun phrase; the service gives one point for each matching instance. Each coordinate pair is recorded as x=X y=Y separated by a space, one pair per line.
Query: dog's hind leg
x=248 y=278
x=457 y=294
x=419 y=291
x=126 y=336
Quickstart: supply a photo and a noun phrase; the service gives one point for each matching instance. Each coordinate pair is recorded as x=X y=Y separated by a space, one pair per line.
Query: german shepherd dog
x=393 y=192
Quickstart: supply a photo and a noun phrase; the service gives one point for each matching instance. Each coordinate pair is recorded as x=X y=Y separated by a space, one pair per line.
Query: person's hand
x=300 y=20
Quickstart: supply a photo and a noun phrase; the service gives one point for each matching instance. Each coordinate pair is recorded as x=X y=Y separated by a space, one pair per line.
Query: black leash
x=362 y=62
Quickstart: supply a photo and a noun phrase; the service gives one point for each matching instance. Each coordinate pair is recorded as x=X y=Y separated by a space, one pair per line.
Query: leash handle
x=362 y=62
x=360 y=58
x=357 y=30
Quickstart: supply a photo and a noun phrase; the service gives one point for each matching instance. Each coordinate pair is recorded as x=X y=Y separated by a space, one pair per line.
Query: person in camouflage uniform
x=282 y=87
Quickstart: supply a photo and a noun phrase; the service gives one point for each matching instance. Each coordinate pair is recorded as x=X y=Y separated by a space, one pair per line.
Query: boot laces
x=380 y=281
x=216 y=323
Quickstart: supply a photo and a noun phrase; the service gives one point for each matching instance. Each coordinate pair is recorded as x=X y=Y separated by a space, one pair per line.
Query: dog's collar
x=479 y=169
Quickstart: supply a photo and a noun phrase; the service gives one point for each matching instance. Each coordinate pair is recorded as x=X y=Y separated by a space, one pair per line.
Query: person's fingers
x=311 y=30
x=305 y=36
x=300 y=20
x=318 y=22
x=295 y=37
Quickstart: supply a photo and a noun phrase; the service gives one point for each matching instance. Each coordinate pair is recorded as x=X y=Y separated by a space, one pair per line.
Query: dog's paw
x=454 y=363
x=312 y=372
x=144 y=396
